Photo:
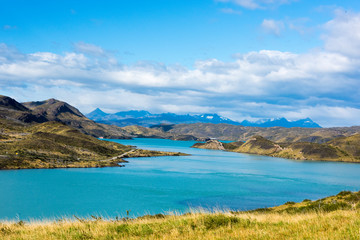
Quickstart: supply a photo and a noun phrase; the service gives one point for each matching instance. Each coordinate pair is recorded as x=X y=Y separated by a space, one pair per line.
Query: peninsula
x=46 y=137
x=341 y=149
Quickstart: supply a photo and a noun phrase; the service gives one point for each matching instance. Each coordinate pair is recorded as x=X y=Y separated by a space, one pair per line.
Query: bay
x=207 y=178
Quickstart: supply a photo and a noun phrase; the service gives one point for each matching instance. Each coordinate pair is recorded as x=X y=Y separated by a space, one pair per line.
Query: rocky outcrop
x=210 y=144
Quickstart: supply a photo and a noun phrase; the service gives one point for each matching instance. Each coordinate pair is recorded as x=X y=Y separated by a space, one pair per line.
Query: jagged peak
x=97 y=110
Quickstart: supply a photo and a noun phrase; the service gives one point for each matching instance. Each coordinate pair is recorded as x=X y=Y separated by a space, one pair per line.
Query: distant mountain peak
x=99 y=111
x=147 y=119
x=281 y=122
x=97 y=114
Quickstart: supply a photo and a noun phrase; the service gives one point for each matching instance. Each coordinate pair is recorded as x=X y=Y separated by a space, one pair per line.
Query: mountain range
x=52 y=133
x=147 y=119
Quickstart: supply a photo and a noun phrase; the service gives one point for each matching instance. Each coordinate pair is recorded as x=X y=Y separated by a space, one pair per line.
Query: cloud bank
x=322 y=84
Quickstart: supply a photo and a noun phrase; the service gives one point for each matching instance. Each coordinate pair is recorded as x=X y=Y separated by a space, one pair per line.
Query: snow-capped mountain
x=146 y=119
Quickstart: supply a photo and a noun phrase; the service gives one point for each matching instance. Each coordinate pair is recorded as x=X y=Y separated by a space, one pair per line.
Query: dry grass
x=341 y=224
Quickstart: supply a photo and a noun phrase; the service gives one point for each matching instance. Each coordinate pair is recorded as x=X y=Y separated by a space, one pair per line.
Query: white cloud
x=340 y=116
x=321 y=84
x=342 y=34
x=269 y=73
x=9 y=54
x=272 y=27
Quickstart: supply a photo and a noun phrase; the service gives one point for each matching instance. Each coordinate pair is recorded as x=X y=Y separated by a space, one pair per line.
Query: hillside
x=55 y=110
x=342 y=149
x=350 y=144
x=345 y=200
x=335 y=217
x=259 y=145
x=240 y=133
x=55 y=145
x=210 y=144
x=15 y=111
x=300 y=150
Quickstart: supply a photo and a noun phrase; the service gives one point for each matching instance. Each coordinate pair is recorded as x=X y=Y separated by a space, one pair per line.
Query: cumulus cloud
x=272 y=27
x=341 y=34
x=321 y=84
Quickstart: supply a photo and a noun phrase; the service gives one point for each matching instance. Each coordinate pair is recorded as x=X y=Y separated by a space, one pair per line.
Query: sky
x=242 y=59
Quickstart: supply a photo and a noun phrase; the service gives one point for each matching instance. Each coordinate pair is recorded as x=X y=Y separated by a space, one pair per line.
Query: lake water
x=208 y=178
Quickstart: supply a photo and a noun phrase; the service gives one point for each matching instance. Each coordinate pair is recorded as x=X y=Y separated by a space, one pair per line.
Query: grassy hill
x=241 y=133
x=345 y=200
x=53 y=144
x=350 y=145
x=56 y=145
x=55 y=110
x=335 y=217
x=339 y=149
x=342 y=149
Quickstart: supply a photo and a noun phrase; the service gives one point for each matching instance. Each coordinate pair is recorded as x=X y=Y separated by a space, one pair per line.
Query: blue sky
x=244 y=59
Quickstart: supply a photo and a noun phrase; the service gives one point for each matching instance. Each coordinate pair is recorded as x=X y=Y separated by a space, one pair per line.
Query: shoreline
x=114 y=161
x=344 y=200
x=301 y=151
x=334 y=217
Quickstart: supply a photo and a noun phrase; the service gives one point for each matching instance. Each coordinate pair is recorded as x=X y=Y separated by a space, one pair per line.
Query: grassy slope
x=277 y=134
x=339 y=218
x=55 y=145
x=350 y=145
x=210 y=144
x=344 y=149
x=56 y=110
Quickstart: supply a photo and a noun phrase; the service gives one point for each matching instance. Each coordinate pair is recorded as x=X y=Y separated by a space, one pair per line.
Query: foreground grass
x=334 y=217
x=340 y=224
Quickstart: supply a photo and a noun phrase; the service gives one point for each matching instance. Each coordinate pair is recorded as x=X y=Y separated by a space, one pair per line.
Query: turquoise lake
x=208 y=179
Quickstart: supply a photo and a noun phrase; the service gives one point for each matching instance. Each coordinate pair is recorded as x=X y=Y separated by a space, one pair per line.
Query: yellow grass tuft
x=341 y=224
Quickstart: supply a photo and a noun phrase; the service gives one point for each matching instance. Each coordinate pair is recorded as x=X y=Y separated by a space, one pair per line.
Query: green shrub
x=216 y=221
x=343 y=193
